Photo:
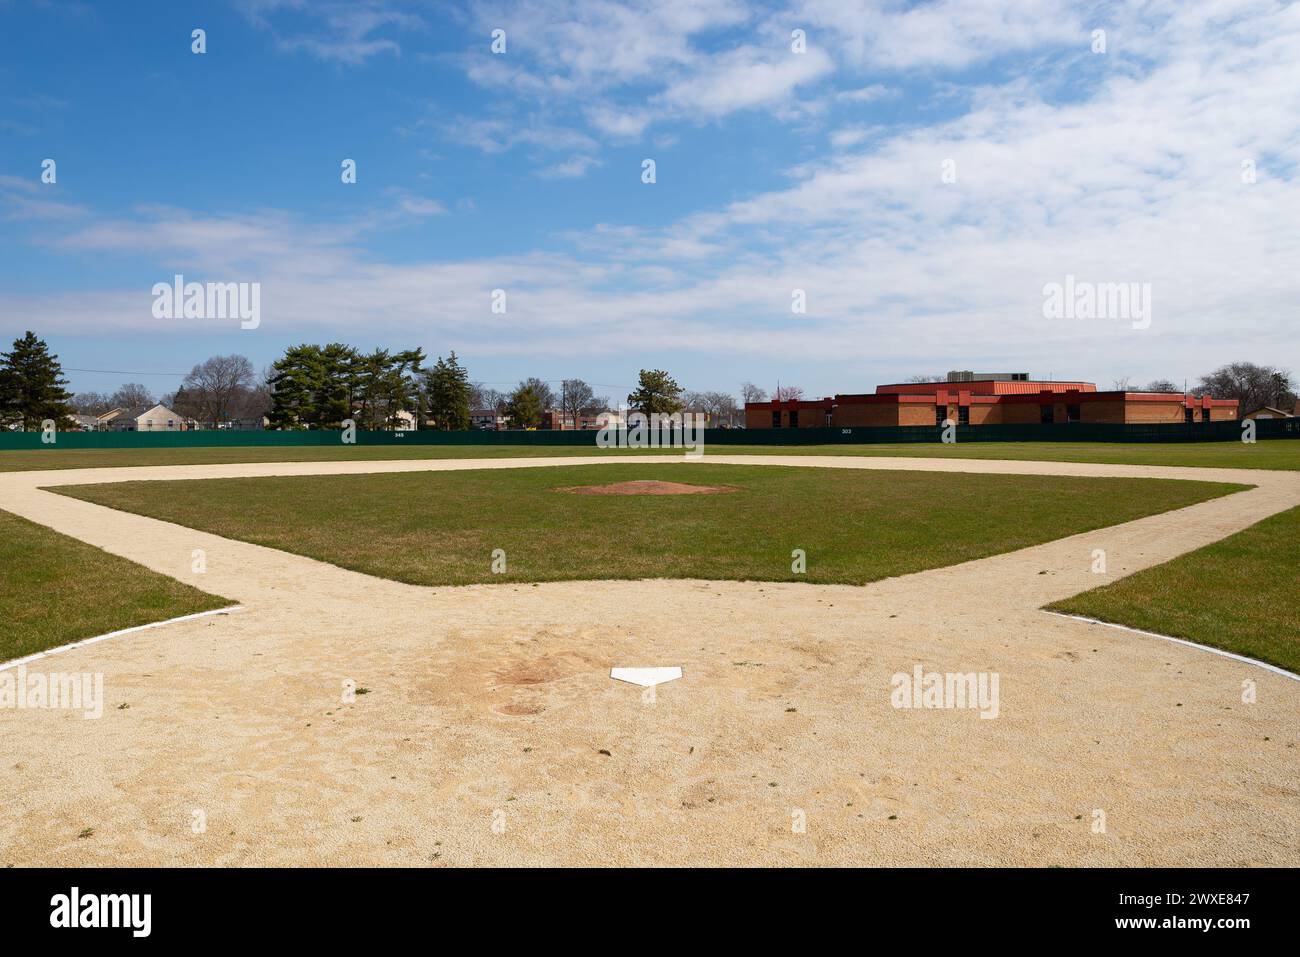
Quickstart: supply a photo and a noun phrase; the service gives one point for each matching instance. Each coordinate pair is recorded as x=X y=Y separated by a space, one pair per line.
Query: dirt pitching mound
x=647 y=487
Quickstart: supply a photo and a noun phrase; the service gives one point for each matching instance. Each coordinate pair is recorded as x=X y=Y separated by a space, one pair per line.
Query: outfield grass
x=1238 y=594
x=12 y=460
x=437 y=528
x=1272 y=454
x=55 y=589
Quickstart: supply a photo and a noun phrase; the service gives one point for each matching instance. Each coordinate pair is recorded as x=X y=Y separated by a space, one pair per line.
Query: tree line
x=318 y=387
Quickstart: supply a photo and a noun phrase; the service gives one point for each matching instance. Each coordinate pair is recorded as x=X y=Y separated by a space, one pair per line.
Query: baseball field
x=408 y=659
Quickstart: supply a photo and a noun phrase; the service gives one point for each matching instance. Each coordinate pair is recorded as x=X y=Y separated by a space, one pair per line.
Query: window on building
x=1045 y=414
x=828 y=418
x=776 y=420
x=940 y=414
x=1072 y=413
x=1189 y=416
x=963 y=415
x=1205 y=415
x=794 y=418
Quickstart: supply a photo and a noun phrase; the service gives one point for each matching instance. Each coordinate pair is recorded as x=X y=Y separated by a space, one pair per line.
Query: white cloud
x=742 y=79
x=572 y=168
x=340 y=30
x=1134 y=177
x=865 y=94
x=31 y=199
x=943 y=34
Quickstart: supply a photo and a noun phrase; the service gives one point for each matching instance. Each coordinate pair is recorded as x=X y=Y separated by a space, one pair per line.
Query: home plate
x=645 y=677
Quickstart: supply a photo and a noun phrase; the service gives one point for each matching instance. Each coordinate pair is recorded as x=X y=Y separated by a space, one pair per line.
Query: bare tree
x=1251 y=385
x=576 y=398
x=1124 y=384
x=787 y=393
x=752 y=393
x=1163 y=385
x=721 y=407
x=926 y=378
x=131 y=396
x=91 y=403
x=692 y=401
x=481 y=397
x=217 y=386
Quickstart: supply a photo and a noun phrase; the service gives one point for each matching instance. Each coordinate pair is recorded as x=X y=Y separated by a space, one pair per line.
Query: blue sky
x=776 y=170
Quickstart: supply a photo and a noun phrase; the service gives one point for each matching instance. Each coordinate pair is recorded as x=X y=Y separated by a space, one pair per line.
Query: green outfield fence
x=892 y=435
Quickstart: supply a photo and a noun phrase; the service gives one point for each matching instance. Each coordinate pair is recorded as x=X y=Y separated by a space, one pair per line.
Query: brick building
x=988 y=399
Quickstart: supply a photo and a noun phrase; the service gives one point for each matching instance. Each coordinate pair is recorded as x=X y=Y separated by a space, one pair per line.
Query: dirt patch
x=518 y=709
x=535 y=672
x=647 y=487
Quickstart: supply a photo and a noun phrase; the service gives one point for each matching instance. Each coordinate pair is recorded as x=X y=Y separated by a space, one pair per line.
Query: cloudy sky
x=919 y=170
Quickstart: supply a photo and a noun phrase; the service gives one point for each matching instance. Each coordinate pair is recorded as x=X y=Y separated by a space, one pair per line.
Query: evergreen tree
x=32 y=386
x=525 y=408
x=317 y=387
x=656 y=391
x=314 y=387
x=449 y=393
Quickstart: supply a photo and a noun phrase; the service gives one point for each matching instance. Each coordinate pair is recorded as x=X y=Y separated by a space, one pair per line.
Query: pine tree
x=32 y=386
x=656 y=391
x=314 y=387
x=449 y=394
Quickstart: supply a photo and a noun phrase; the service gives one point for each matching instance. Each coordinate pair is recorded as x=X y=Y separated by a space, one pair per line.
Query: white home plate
x=645 y=677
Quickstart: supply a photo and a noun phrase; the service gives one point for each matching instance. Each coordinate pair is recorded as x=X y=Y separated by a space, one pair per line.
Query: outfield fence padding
x=883 y=435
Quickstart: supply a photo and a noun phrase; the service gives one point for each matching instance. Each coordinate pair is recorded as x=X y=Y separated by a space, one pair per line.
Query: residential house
x=1269 y=412
x=486 y=419
x=157 y=418
x=82 y=423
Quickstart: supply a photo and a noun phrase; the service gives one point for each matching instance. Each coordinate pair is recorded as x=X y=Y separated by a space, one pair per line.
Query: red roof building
x=994 y=399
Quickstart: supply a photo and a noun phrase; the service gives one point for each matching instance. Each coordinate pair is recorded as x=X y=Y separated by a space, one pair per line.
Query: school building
x=989 y=398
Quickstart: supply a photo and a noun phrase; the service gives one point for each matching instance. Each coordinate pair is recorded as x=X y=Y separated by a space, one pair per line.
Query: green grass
x=436 y=528
x=1272 y=454
x=55 y=589
x=18 y=460
x=1238 y=594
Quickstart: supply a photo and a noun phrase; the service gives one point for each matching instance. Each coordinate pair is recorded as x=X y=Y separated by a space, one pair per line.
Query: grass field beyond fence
x=437 y=528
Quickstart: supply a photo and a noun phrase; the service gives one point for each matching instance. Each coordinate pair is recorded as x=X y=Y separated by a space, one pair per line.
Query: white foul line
x=1183 y=641
x=113 y=634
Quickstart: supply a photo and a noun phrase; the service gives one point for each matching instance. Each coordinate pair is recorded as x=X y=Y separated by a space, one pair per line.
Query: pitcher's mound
x=647 y=487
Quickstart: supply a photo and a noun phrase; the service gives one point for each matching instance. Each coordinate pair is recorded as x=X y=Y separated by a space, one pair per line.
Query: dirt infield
x=489 y=732
x=647 y=487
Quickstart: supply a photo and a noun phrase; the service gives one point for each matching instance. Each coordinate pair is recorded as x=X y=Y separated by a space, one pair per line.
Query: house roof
x=139 y=412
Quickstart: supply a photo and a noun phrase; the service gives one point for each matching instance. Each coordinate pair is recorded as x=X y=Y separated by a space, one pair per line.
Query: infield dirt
x=488 y=730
